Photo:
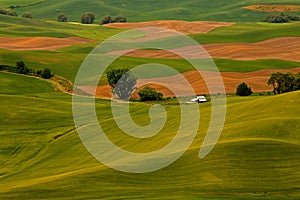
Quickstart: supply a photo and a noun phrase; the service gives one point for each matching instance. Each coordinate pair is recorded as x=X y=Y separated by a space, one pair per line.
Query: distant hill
x=137 y=10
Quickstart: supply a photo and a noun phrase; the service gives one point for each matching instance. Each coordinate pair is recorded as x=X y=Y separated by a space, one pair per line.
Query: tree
x=150 y=94
x=27 y=15
x=282 y=82
x=281 y=18
x=62 y=17
x=105 y=20
x=87 y=18
x=46 y=73
x=243 y=90
x=288 y=82
x=122 y=82
x=118 y=19
x=296 y=82
x=21 y=68
x=112 y=19
x=276 y=80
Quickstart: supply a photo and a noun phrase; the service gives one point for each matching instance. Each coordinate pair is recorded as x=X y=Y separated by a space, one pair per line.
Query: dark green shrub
x=46 y=73
x=150 y=94
x=243 y=90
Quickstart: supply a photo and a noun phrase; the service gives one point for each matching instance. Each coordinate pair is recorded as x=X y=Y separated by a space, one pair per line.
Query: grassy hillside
x=257 y=156
x=248 y=32
x=22 y=27
x=135 y=10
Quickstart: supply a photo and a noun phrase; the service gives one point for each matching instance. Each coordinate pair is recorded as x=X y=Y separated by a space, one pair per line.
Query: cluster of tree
x=112 y=19
x=21 y=68
x=14 y=13
x=87 y=18
x=281 y=18
x=8 y=12
x=284 y=82
x=243 y=90
x=122 y=82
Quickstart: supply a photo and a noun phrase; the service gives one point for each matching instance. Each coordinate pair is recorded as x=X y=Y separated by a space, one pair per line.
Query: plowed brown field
x=39 y=43
x=177 y=25
x=285 y=48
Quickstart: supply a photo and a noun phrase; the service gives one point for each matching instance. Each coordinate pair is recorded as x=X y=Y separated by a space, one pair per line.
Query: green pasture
x=248 y=32
x=42 y=157
x=22 y=27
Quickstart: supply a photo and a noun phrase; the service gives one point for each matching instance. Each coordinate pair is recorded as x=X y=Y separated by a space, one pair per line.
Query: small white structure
x=199 y=99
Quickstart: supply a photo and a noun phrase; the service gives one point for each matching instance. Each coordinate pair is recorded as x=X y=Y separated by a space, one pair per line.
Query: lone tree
x=122 y=82
x=62 y=17
x=243 y=90
x=150 y=94
x=87 y=18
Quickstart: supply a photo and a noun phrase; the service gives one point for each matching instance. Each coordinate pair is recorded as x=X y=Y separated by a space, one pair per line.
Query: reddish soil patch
x=177 y=25
x=274 y=8
x=39 y=43
x=256 y=80
x=285 y=48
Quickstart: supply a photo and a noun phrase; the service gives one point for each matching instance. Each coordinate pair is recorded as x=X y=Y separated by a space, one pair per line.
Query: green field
x=66 y=61
x=42 y=156
x=191 y=10
x=22 y=27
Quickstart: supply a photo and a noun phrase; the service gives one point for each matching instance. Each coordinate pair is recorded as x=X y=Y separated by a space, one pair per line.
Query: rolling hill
x=135 y=10
x=42 y=156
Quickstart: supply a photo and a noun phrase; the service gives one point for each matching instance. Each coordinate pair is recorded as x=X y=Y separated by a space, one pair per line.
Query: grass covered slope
x=42 y=157
x=23 y=27
x=135 y=10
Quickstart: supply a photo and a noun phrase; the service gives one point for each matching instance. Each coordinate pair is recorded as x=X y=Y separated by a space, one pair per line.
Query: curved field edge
x=43 y=157
x=240 y=32
x=66 y=62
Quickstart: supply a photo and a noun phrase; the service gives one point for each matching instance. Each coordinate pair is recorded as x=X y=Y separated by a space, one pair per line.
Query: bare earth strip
x=257 y=80
x=39 y=43
x=285 y=48
x=274 y=8
x=177 y=25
